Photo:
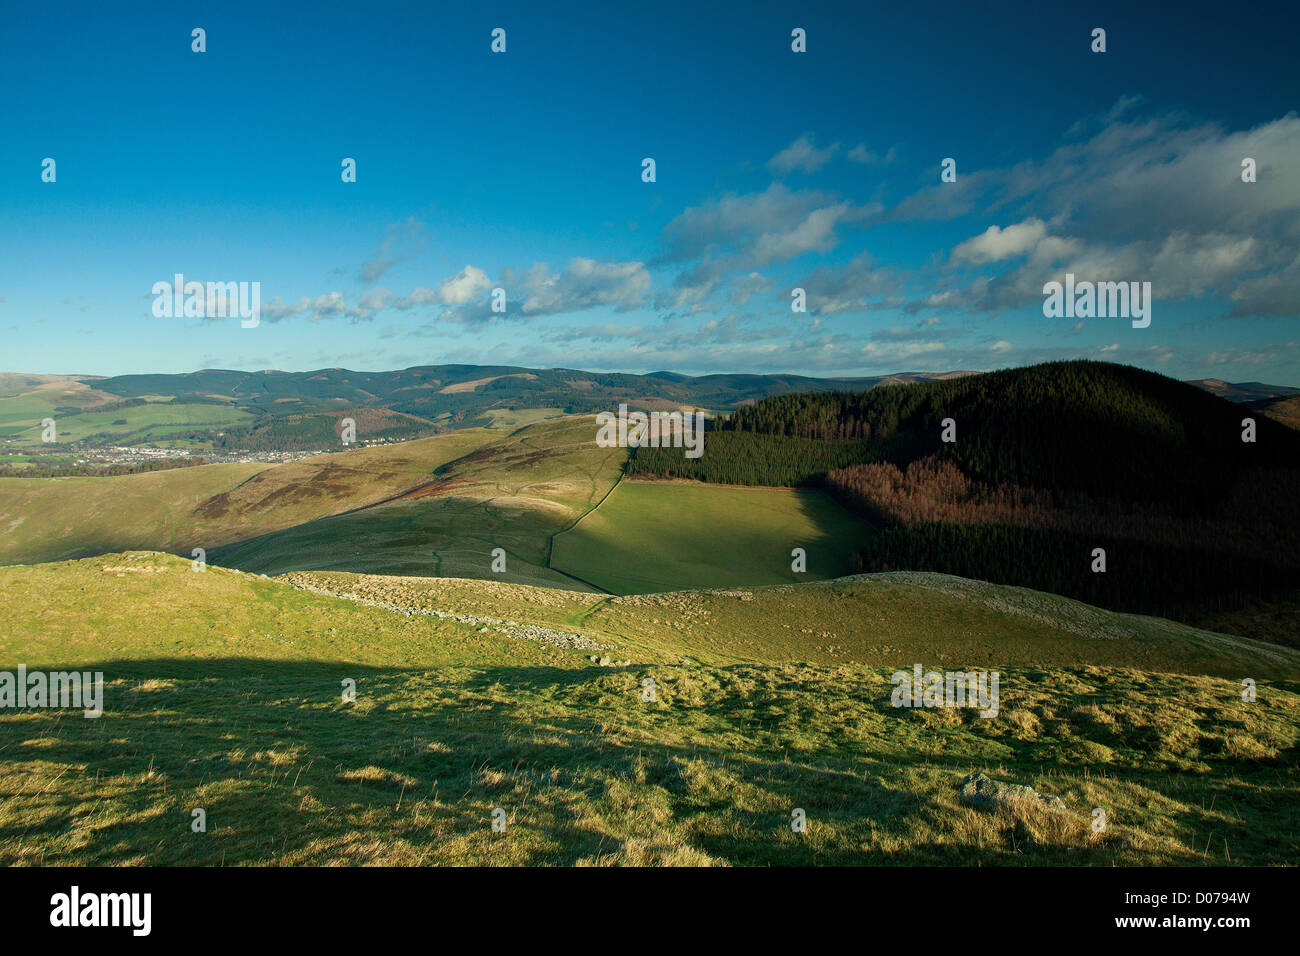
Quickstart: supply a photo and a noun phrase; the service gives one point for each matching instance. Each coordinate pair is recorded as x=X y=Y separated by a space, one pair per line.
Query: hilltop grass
x=515 y=493
x=662 y=536
x=588 y=773
x=223 y=692
x=890 y=620
x=518 y=417
x=147 y=606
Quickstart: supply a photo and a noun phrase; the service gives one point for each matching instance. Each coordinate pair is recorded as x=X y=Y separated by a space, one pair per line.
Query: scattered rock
x=978 y=790
x=523 y=632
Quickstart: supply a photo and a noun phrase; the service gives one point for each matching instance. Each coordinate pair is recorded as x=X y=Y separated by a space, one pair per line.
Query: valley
x=500 y=595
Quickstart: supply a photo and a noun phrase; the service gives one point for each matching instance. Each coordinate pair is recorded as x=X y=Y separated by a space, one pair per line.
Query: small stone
x=978 y=790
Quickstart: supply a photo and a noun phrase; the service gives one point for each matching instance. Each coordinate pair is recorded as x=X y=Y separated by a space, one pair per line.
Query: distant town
x=18 y=459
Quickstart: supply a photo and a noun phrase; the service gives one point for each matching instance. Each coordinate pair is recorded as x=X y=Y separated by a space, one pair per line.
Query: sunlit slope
x=46 y=519
x=662 y=536
x=894 y=619
x=305 y=490
x=513 y=493
x=149 y=606
x=223 y=691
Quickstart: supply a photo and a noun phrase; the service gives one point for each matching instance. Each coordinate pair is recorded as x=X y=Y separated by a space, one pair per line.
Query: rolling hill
x=222 y=692
x=514 y=493
x=1050 y=463
x=228 y=412
x=525 y=690
x=47 y=519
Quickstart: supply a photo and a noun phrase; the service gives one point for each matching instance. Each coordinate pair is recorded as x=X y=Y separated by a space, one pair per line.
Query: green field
x=222 y=692
x=439 y=507
x=138 y=424
x=27 y=399
x=518 y=417
x=659 y=536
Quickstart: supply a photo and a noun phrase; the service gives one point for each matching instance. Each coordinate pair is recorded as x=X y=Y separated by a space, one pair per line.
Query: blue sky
x=775 y=170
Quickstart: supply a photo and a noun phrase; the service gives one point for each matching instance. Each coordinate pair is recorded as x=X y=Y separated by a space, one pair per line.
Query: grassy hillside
x=49 y=519
x=515 y=492
x=1284 y=410
x=660 y=536
x=882 y=620
x=222 y=691
x=45 y=519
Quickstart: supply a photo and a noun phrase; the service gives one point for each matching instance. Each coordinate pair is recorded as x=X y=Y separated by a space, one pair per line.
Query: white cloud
x=747 y=233
x=328 y=305
x=584 y=284
x=854 y=287
x=995 y=244
x=397 y=246
x=801 y=156
x=1136 y=199
x=467 y=285
x=860 y=154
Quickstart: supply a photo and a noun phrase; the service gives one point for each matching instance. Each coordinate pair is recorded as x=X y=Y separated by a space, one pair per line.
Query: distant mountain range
x=277 y=410
x=432 y=389
x=1244 y=391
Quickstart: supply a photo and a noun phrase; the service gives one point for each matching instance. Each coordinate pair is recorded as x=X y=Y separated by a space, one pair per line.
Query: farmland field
x=139 y=423
x=660 y=536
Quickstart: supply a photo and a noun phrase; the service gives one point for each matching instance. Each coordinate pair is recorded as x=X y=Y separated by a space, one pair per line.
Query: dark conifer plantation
x=1049 y=463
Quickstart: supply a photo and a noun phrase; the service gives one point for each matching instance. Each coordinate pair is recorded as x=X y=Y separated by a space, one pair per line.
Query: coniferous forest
x=1046 y=464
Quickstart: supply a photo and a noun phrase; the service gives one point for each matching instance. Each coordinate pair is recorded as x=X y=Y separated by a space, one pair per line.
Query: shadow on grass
x=411 y=771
